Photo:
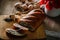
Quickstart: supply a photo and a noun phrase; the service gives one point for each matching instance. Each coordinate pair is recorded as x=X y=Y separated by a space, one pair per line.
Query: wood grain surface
x=39 y=33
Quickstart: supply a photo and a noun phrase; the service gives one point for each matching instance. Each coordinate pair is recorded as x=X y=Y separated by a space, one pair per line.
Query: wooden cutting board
x=39 y=33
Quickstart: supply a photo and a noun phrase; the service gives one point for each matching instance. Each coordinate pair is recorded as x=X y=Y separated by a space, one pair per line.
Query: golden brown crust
x=34 y=18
